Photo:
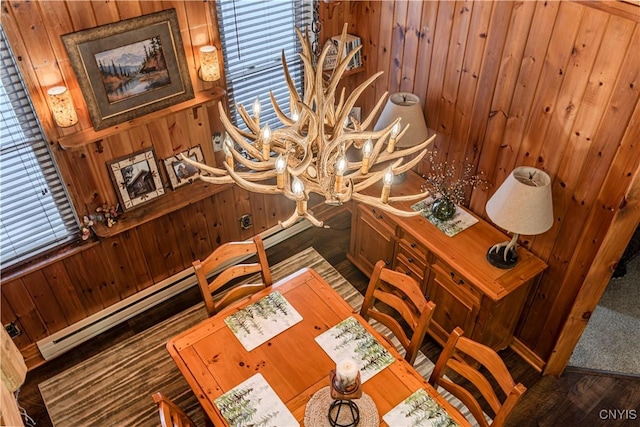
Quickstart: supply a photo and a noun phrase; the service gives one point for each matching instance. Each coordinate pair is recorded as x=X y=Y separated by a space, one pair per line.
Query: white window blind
x=254 y=33
x=35 y=212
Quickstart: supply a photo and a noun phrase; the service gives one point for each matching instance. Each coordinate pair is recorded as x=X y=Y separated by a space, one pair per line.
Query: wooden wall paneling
x=15 y=293
x=192 y=230
x=83 y=281
x=197 y=36
x=597 y=92
x=557 y=59
x=258 y=212
x=65 y=293
x=200 y=131
x=398 y=34
x=451 y=83
x=243 y=207
x=45 y=301
x=83 y=177
x=140 y=138
x=503 y=89
x=535 y=51
x=424 y=58
x=368 y=31
x=162 y=142
x=116 y=251
x=443 y=28
x=81 y=14
x=185 y=234
x=462 y=149
x=161 y=245
x=626 y=216
x=152 y=6
x=178 y=129
x=210 y=211
x=8 y=316
x=412 y=37
x=101 y=279
x=385 y=33
x=577 y=245
x=332 y=19
x=57 y=22
x=230 y=227
x=129 y=9
x=105 y=12
x=576 y=78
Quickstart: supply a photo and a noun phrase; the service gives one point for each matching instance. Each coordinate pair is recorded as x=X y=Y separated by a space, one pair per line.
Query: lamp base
x=496 y=257
x=350 y=417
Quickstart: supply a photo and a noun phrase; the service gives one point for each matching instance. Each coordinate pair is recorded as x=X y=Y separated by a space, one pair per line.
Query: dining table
x=215 y=361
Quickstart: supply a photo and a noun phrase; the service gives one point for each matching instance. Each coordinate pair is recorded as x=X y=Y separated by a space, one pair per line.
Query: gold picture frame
x=130 y=68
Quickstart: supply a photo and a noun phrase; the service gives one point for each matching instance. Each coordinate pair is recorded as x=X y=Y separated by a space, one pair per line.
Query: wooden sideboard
x=453 y=271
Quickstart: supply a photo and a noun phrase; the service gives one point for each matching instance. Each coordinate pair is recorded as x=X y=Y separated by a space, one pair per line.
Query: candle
x=256 y=107
x=346 y=373
x=367 y=149
x=387 y=180
x=266 y=142
x=281 y=166
x=341 y=166
x=395 y=130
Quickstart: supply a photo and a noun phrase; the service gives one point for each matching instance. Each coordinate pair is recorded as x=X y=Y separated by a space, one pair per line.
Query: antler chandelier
x=308 y=154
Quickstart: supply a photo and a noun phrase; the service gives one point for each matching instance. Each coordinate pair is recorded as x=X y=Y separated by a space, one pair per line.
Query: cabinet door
x=454 y=306
x=374 y=239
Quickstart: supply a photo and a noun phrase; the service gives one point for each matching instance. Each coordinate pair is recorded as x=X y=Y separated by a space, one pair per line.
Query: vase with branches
x=448 y=182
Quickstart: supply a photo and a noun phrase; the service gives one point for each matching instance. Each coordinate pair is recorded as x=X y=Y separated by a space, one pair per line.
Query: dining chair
x=466 y=357
x=220 y=258
x=170 y=414
x=403 y=294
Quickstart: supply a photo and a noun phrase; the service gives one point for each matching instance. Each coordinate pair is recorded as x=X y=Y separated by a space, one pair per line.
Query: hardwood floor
x=577 y=398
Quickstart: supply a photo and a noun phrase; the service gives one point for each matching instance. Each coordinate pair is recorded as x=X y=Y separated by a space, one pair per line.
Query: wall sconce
x=522 y=205
x=64 y=113
x=209 y=65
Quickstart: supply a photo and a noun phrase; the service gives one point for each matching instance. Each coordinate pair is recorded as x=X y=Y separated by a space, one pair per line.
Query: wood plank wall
x=47 y=297
x=553 y=85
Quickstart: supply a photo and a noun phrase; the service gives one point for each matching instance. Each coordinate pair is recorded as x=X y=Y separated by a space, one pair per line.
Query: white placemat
x=254 y=403
x=264 y=319
x=418 y=410
x=350 y=340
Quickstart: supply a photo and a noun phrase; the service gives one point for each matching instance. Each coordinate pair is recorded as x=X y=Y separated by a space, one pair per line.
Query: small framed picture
x=136 y=178
x=180 y=172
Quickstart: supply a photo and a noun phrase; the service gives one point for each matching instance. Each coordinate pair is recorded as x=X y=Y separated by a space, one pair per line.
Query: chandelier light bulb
x=256 y=108
x=297 y=187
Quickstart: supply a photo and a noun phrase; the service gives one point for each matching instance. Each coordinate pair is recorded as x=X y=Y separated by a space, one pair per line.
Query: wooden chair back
x=170 y=414
x=223 y=255
x=403 y=294
x=459 y=355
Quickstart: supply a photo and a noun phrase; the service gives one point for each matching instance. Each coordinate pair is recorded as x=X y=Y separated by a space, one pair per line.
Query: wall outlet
x=217 y=141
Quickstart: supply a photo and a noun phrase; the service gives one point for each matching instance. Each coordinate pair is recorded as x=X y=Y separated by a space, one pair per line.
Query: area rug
x=115 y=387
x=611 y=340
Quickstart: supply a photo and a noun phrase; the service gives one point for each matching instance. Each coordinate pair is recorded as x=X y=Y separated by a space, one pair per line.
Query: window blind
x=254 y=33
x=35 y=212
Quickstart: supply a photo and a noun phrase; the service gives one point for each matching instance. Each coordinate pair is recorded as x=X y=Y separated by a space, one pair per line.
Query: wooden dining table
x=213 y=361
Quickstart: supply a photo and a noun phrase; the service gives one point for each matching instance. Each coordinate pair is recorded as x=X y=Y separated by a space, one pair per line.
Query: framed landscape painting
x=136 y=178
x=130 y=68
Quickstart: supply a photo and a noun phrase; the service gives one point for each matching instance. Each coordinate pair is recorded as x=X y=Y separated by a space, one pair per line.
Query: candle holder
x=343 y=401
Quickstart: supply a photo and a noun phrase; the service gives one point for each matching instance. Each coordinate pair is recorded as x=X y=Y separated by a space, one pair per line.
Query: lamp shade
x=64 y=112
x=406 y=106
x=209 y=65
x=523 y=203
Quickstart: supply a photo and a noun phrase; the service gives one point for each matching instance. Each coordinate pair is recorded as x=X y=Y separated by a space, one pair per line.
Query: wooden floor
x=577 y=398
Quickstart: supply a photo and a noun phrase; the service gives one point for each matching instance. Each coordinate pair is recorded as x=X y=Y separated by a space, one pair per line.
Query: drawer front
x=412 y=256
x=411 y=271
x=455 y=282
x=412 y=245
x=380 y=216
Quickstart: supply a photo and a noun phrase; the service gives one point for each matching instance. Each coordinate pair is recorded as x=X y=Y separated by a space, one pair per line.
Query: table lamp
x=522 y=205
x=406 y=106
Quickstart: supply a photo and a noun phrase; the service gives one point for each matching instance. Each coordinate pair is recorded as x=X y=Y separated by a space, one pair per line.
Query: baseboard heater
x=79 y=332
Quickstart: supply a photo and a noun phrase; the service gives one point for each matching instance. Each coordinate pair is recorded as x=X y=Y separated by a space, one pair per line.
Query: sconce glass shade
x=406 y=106
x=62 y=107
x=522 y=205
x=209 y=65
